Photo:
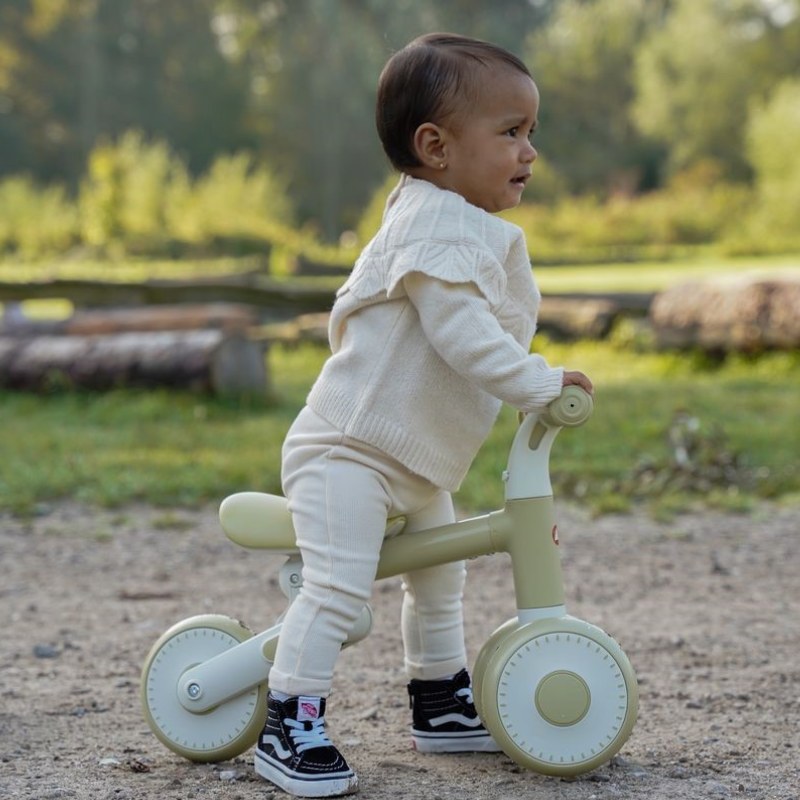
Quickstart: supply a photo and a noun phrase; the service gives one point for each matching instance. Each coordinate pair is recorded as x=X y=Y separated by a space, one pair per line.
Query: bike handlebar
x=571 y=409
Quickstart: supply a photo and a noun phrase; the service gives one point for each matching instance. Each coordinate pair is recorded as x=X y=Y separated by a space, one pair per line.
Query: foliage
x=581 y=62
x=73 y=72
x=693 y=209
x=698 y=461
x=772 y=136
x=140 y=194
x=35 y=219
x=697 y=72
x=373 y=214
x=236 y=198
x=123 y=194
x=314 y=67
x=633 y=92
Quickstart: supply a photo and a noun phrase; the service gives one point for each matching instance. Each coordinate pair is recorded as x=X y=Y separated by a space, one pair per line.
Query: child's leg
x=339 y=508
x=444 y=718
x=432 y=621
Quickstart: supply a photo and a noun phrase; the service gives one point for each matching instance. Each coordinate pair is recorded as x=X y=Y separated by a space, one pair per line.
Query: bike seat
x=263 y=522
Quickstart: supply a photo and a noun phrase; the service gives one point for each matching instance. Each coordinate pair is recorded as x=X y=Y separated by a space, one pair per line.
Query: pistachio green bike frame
x=524 y=529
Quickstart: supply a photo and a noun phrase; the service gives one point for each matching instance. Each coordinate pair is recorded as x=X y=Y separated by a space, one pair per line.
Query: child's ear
x=429 y=145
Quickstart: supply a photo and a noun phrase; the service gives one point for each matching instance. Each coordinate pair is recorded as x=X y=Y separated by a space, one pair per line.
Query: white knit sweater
x=431 y=333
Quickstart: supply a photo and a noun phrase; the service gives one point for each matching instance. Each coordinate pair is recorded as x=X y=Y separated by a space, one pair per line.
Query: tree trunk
x=209 y=360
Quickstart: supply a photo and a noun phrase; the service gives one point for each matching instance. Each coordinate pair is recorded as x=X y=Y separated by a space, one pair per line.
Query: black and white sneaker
x=294 y=752
x=445 y=719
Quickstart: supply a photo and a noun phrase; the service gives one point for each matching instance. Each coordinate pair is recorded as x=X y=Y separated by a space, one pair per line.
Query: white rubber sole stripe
x=468 y=722
x=305 y=786
x=455 y=743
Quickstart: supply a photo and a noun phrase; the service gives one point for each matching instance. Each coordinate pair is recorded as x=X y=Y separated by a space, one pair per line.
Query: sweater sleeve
x=459 y=324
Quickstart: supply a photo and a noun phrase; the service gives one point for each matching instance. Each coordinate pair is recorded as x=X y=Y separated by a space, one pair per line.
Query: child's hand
x=578 y=379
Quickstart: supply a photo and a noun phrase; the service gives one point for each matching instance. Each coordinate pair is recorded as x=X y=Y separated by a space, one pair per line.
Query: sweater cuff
x=548 y=388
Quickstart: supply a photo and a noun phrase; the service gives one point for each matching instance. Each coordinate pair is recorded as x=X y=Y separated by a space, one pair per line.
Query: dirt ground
x=706 y=608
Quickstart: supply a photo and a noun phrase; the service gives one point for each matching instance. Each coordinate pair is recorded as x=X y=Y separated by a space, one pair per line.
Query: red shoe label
x=307 y=708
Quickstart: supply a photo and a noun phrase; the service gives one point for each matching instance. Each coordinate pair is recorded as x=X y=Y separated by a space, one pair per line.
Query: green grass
x=125 y=268
x=176 y=449
x=647 y=275
x=653 y=276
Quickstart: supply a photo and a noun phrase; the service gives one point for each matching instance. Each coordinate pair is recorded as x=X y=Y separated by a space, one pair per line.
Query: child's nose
x=530 y=154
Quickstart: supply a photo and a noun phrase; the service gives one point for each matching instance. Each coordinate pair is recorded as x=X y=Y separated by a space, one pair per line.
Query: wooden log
x=208 y=360
x=224 y=316
x=738 y=314
x=317 y=296
x=568 y=318
x=633 y=303
x=304 y=328
x=250 y=290
x=560 y=317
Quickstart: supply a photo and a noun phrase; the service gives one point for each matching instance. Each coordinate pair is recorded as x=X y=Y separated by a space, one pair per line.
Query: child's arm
x=459 y=323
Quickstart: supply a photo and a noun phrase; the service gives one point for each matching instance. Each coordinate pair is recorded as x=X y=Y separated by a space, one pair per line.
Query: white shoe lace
x=306 y=739
x=466 y=694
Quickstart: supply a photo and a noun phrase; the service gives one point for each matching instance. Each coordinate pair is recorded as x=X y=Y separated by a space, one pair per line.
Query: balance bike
x=557 y=693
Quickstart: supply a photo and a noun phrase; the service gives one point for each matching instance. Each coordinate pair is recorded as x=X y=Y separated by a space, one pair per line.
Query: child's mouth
x=520 y=180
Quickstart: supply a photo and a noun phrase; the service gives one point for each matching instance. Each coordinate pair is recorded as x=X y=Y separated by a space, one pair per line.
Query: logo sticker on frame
x=554 y=534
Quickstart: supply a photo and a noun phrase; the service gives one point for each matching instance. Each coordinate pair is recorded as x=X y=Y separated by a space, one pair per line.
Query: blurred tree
x=773 y=133
x=72 y=70
x=314 y=67
x=697 y=74
x=293 y=81
x=582 y=61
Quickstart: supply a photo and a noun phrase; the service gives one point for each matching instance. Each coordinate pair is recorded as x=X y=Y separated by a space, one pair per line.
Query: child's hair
x=425 y=82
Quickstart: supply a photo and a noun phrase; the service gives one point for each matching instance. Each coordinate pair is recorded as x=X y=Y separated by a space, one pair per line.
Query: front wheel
x=223 y=732
x=487 y=651
x=559 y=696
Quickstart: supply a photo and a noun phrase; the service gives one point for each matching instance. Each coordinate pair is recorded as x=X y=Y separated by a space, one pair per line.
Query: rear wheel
x=223 y=732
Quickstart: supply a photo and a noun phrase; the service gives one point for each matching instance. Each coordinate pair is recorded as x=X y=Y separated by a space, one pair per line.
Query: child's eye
x=513 y=131
x=531 y=133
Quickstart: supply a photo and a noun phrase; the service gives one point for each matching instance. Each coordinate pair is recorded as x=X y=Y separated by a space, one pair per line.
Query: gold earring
x=441 y=166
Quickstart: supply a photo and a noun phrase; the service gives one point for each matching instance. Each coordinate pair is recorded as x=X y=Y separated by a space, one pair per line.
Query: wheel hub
x=563 y=698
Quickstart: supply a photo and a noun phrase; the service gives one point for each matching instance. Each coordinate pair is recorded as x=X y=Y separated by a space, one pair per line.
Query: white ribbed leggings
x=341 y=492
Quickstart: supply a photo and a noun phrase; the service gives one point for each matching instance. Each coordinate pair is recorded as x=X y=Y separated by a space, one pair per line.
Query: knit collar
x=456 y=219
x=410 y=186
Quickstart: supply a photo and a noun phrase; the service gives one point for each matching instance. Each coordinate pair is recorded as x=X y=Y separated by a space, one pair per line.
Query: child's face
x=488 y=156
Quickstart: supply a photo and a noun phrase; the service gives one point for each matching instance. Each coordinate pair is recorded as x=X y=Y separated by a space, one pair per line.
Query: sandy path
x=706 y=607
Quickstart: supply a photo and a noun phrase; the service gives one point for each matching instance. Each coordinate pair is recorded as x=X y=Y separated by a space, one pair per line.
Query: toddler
x=429 y=335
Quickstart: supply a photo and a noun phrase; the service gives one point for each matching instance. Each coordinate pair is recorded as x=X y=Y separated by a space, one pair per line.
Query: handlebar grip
x=573 y=408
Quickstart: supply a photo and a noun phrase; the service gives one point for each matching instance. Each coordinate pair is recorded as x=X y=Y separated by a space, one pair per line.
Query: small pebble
x=715 y=787
x=680 y=773
x=637 y=772
x=109 y=762
x=45 y=651
x=228 y=775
